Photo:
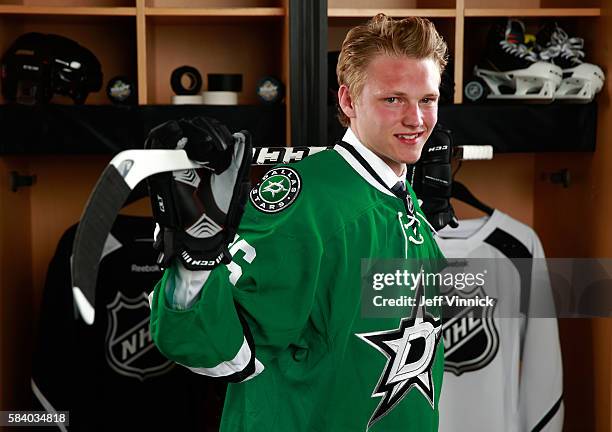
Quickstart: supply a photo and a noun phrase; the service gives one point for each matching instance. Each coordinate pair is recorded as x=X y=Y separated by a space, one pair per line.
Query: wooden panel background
x=251 y=49
x=16 y=325
x=575 y=222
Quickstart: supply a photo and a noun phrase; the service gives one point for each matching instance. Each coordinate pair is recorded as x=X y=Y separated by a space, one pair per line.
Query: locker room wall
x=504 y=183
x=575 y=222
x=16 y=293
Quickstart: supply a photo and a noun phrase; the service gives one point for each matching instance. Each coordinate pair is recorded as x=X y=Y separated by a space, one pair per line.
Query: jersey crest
x=277 y=190
x=470 y=336
x=410 y=351
x=129 y=348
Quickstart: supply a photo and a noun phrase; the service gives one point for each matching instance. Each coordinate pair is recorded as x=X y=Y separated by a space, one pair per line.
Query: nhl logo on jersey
x=129 y=348
x=470 y=337
x=277 y=190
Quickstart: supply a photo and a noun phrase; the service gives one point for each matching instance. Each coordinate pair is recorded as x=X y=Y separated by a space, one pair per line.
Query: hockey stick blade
x=120 y=177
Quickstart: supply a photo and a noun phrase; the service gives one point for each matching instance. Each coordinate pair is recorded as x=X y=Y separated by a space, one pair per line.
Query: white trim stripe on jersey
x=259 y=367
x=46 y=404
x=361 y=170
x=230 y=367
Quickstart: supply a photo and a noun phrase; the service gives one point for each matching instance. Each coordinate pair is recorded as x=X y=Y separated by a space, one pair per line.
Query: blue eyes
x=395 y=100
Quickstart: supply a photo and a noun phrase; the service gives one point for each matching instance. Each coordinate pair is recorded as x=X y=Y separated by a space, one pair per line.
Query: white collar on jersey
x=380 y=167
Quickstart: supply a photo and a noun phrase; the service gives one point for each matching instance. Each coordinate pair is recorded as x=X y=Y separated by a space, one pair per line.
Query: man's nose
x=412 y=116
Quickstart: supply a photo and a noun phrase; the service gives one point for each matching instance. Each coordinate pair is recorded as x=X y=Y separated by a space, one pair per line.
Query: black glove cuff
x=205 y=261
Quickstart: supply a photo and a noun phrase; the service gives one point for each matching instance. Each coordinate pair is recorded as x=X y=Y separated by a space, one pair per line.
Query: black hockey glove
x=432 y=179
x=197 y=212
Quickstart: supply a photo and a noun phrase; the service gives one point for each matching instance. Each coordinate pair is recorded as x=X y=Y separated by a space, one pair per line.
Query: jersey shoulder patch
x=277 y=190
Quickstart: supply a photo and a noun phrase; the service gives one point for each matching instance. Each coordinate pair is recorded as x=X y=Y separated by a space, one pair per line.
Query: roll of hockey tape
x=225 y=82
x=193 y=76
x=219 y=98
x=475 y=152
x=187 y=100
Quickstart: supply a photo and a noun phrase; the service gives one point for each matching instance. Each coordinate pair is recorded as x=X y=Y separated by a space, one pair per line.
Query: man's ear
x=346 y=102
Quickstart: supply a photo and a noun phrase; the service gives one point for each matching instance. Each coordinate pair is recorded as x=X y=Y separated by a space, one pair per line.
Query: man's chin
x=411 y=158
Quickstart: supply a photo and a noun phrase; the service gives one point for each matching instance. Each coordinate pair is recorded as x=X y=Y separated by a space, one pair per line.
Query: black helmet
x=38 y=66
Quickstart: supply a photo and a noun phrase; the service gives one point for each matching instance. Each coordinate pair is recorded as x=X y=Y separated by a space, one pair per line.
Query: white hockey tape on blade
x=85 y=308
x=475 y=152
x=278 y=155
x=136 y=165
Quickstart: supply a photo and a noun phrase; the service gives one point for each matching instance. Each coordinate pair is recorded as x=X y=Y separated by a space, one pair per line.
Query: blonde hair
x=411 y=37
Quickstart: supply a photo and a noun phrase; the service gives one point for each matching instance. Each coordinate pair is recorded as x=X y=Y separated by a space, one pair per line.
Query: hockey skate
x=512 y=70
x=581 y=81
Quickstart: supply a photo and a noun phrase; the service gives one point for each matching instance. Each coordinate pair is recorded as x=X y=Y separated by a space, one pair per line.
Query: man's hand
x=197 y=212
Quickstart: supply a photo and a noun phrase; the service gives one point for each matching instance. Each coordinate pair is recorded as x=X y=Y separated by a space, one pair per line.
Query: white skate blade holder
x=536 y=83
x=581 y=84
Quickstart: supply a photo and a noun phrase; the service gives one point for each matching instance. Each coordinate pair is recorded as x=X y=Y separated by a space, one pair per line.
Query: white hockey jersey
x=503 y=370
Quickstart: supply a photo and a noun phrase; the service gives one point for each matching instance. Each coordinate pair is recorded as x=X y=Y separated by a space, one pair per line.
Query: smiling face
x=397 y=108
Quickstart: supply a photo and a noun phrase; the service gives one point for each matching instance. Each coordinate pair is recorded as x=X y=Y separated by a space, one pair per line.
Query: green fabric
x=300 y=295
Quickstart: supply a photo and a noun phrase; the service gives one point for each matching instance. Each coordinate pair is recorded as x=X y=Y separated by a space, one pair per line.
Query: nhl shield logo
x=129 y=348
x=470 y=337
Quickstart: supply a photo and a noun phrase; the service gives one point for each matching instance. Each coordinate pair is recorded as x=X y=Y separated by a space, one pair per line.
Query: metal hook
x=18 y=180
x=562 y=177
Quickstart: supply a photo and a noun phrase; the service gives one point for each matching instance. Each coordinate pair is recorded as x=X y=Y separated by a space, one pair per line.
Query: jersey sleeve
x=264 y=295
x=541 y=388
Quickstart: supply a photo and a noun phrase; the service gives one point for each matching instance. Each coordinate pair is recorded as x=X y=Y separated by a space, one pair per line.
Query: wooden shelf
x=545 y=12
x=368 y=13
x=56 y=10
x=216 y=12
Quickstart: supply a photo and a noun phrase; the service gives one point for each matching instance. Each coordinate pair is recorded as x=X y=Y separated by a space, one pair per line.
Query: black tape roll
x=176 y=80
x=225 y=82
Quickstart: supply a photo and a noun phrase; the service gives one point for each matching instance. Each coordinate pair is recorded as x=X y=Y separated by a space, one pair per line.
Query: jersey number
x=249 y=256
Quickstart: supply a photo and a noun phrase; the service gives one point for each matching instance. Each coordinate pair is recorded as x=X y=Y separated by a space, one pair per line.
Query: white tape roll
x=475 y=152
x=187 y=100
x=219 y=98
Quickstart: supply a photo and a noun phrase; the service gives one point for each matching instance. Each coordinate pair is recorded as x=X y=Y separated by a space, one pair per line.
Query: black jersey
x=109 y=375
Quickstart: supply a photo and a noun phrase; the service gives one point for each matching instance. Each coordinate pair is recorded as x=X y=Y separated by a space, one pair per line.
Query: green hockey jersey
x=283 y=321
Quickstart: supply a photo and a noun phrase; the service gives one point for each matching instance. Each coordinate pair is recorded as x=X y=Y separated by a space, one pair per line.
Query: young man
x=283 y=321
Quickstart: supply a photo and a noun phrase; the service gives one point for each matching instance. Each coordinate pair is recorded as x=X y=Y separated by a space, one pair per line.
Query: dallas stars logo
x=274 y=187
x=410 y=352
x=277 y=190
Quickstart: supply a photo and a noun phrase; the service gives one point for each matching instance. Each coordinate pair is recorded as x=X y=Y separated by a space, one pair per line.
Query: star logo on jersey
x=410 y=351
x=274 y=187
x=277 y=190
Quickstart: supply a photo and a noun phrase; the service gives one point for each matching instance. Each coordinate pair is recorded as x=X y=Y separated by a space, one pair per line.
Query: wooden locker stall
x=144 y=40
